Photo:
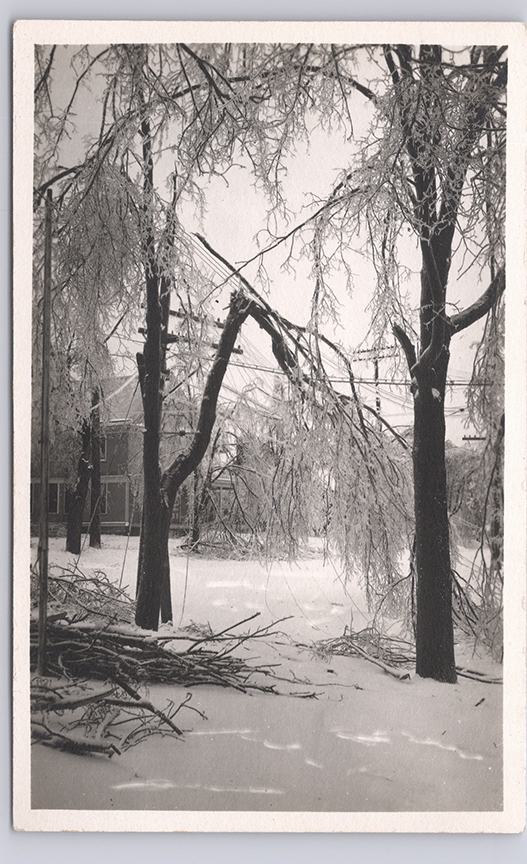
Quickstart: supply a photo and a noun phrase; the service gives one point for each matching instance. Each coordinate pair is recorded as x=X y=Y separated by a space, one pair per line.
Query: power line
x=404 y=382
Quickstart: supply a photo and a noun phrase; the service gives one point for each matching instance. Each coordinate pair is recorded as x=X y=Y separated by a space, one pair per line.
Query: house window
x=53 y=498
x=103 y=503
x=103 y=444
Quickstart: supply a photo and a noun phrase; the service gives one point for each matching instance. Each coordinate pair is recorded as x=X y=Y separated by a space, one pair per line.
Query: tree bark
x=153 y=594
x=95 y=508
x=497 y=506
x=141 y=546
x=434 y=626
x=153 y=577
x=153 y=568
x=77 y=496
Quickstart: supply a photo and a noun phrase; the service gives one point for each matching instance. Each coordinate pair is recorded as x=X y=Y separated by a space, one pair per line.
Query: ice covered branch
x=482 y=305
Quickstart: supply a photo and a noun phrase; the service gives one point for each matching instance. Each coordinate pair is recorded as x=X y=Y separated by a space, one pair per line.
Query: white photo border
x=512 y=818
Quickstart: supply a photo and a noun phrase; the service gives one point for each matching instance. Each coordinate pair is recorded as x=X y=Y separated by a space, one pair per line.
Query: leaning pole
x=43 y=543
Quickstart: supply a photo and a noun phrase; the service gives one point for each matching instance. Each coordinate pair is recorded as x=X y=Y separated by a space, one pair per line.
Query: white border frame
x=512 y=819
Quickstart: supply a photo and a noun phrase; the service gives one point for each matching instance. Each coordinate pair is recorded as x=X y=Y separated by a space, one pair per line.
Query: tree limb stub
x=406 y=344
x=482 y=305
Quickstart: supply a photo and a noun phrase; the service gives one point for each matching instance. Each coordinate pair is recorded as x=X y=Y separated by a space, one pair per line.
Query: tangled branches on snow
x=78 y=596
x=394 y=655
x=113 y=717
x=477 y=616
x=90 y=639
x=105 y=720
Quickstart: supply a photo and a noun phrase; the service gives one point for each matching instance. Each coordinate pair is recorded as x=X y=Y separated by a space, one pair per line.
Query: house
x=121 y=466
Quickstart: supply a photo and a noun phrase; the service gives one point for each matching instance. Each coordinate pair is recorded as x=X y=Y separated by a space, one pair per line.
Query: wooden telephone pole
x=43 y=543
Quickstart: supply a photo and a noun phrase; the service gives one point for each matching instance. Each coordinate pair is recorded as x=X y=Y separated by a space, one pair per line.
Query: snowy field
x=367 y=742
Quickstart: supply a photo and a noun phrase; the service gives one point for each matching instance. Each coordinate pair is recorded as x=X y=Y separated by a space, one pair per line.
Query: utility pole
x=375 y=354
x=43 y=543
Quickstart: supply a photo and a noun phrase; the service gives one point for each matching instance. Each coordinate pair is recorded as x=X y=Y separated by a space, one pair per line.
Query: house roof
x=122 y=399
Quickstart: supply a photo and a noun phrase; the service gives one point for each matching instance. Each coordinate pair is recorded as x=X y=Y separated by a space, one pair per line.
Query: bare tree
x=434 y=163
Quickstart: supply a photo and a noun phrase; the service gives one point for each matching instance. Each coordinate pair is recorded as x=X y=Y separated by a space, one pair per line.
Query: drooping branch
x=281 y=352
x=402 y=441
x=270 y=314
x=275 y=325
x=482 y=305
x=44 y=78
x=65 y=172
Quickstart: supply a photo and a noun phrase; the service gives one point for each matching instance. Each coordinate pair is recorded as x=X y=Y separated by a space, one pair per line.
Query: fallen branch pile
x=86 y=652
x=394 y=655
x=90 y=639
x=71 y=712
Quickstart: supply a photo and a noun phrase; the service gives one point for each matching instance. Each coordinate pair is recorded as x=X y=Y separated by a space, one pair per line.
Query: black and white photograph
x=269 y=317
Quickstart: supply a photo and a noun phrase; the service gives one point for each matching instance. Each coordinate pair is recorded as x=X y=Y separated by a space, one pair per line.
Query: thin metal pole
x=43 y=544
x=376 y=380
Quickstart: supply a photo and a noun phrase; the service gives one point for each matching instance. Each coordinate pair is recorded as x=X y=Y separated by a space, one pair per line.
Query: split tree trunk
x=160 y=490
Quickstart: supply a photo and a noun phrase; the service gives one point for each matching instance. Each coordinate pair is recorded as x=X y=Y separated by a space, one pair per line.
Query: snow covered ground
x=367 y=742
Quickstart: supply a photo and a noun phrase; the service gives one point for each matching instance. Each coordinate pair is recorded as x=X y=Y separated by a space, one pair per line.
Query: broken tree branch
x=482 y=305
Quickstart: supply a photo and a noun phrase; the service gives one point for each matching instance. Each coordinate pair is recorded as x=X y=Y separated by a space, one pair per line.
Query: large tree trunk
x=95 y=508
x=77 y=496
x=153 y=575
x=153 y=594
x=434 y=624
x=434 y=627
